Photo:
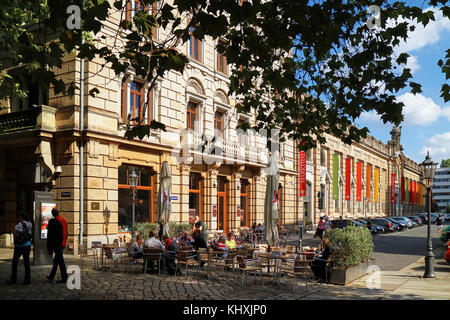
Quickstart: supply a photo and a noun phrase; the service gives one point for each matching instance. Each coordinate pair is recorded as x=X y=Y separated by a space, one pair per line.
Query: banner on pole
x=348 y=177
x=376 y=185
x=358 y=180
x=393 y=188
x=335 y=176
x=302 y=174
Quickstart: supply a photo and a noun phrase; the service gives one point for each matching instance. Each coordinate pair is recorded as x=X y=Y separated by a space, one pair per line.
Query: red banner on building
x=348 y=177
x=358 y=180
x=403 y=190
x=393 y=188
x=302 y=174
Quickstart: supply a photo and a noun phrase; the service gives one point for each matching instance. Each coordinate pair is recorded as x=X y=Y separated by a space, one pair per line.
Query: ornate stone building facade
x=39 y=150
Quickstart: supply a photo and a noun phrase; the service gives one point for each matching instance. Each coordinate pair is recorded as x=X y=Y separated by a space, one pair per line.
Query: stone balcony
x=226 y=148
x=38 y=118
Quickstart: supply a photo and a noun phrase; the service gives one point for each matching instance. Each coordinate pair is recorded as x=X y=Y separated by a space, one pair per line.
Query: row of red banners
x=412 y=195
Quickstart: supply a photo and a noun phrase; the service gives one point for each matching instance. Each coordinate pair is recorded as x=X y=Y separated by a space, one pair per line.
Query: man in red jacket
x=56 y=241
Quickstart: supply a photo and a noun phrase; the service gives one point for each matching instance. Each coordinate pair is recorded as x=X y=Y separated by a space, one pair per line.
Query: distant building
x=441 y=188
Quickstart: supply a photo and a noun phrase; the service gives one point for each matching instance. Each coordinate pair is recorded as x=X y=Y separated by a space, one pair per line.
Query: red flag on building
x=348 y=177
x=403 y=190
x=393 y=188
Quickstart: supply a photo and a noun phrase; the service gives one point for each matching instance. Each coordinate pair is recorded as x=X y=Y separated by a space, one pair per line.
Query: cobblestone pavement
x=107 y=285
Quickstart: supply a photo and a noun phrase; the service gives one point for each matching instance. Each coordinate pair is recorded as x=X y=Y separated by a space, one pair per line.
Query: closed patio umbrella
x=271 y=213
x=164 y=199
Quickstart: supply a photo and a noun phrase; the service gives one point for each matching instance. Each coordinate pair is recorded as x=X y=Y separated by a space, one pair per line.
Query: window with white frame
x=136 y=101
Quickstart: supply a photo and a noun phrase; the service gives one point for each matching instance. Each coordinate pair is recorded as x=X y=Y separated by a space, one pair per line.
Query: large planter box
x=344 y=277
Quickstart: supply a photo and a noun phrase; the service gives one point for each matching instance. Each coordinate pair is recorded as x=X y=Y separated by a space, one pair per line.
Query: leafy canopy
x=307 y=67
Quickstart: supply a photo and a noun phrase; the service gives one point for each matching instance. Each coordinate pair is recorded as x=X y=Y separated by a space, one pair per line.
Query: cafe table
x=211 y=252
x=277 y=258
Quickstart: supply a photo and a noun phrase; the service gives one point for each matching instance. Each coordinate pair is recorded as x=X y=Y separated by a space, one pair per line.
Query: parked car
x=398 y=225
x=424 y=217
x=416 y=219
x=445 y=234
x=373 y=229
x=405 y=220
x=386 y=224
x=433 y=217
x=348 y=222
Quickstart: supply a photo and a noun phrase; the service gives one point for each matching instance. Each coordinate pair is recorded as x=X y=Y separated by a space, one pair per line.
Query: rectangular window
x=194 y=46
x=222 y=63
x=195 y=196
x=244 y=204
x=138 y=6
x=218 y=124
x=135 y=106
x=192 y=116
x=242 y=135
x=144 y=196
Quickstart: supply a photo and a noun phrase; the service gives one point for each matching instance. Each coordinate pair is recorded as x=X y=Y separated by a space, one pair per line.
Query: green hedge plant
x=350 y=246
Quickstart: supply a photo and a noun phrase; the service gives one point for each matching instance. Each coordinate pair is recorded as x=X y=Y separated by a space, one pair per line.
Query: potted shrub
x=351 y=248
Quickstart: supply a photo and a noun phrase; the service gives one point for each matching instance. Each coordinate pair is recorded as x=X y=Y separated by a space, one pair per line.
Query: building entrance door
x=222 y=188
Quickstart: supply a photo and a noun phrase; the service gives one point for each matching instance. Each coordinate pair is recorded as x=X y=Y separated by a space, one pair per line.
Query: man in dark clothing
x=56 y=241
x=22 y=247
x=342 y=223
x=170 y=254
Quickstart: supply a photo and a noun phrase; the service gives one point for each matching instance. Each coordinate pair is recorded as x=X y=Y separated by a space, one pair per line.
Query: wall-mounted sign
x=238 y=212
x=46 y=215
x=214 y=210
x=66 y=194
x=174 y=197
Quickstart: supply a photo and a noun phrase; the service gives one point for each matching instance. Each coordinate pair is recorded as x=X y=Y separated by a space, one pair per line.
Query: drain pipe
x=81 y=147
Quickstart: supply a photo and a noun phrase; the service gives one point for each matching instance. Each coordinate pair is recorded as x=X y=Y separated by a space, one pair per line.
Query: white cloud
x=421 y=36
x=413 y=64
x=424 y=36
x=438 y=146
x=446 y=112
x=419 y=110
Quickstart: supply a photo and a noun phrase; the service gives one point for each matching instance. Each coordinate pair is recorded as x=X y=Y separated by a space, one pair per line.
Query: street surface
x=396 y=250
x=392 y=251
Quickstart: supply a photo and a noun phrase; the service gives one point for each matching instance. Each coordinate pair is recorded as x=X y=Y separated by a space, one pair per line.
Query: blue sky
x=427 y=116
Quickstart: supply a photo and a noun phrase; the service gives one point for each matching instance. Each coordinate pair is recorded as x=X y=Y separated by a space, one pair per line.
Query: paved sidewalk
x=399 y=285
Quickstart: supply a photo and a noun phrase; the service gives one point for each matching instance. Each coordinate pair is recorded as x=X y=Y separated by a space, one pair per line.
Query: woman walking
x=320 y=228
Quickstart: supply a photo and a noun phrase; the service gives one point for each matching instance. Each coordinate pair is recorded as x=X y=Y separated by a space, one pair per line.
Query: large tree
x=307 y=67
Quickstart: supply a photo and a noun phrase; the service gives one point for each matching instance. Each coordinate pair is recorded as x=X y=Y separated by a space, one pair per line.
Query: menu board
x=46 y=215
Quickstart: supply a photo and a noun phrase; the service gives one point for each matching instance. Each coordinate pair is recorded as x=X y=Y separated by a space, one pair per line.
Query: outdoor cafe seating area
x=245 y=265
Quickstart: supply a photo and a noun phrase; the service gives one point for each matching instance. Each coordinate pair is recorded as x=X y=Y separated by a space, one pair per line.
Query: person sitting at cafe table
x=137 y=247
x=170 y=255
x=152 y=242
x=219 y=245
x=319 y=264
x=185 y=240
x=230 y=242
x=199 y=238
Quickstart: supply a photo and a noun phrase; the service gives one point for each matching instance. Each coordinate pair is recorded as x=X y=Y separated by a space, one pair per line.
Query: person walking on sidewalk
x=22 y=247
x=56 y=242
x=320 y=228
x=439 y=224
x=327 y=222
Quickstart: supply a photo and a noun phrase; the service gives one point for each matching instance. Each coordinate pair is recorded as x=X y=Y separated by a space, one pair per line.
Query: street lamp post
x=133 y=181
x=428 y=168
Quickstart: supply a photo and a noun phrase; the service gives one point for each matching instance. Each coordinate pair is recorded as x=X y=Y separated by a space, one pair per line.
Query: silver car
x=405 y=220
